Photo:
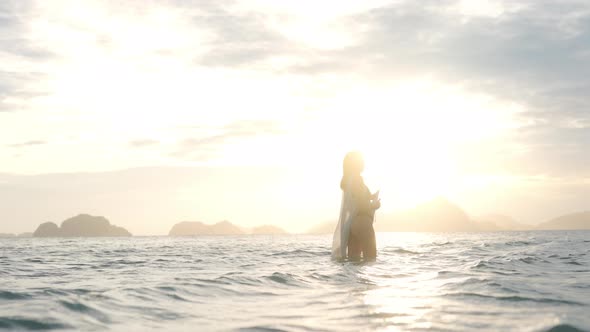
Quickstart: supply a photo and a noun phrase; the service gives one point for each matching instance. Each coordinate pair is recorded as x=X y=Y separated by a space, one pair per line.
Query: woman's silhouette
x=361 y=239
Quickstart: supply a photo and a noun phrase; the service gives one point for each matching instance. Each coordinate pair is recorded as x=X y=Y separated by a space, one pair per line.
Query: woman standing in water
x=361 y=239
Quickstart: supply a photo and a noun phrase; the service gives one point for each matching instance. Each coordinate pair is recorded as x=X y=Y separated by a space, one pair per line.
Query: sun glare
x=410 y=136
x=140 y=85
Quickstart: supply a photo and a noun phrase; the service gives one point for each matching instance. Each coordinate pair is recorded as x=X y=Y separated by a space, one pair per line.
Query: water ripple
x=533 y=281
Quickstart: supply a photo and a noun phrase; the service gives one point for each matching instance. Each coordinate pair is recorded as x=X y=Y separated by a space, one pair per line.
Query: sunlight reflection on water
x=490 y=281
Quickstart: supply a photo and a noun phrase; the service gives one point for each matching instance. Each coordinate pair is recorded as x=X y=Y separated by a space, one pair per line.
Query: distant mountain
x=82 y=225
x=580 y=220
x=47 y=229
x=323 y=228
x=438 y=215
x=26 y=234
x=487 y=226
x=501 y=222
x=267 y=229
x=187 y=228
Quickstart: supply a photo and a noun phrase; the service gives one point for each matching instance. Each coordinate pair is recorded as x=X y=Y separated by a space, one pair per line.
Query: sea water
x=505 y=281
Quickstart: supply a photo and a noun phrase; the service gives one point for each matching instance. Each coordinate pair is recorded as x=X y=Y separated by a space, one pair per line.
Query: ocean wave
x=468 y=281
x=519 y=243
x=514 y=298
x=260 y=328
x=564 y=328
x=528 y=260
x=85 y=309
x=285 y=279
x=382 y=315
x=278 y=328
x=301 y=252
x=479 y=283
x=8 y=295
x=481 y=264
x=488 y=281
x=16 y=323
x=399 y=251
x=440 y=244
x=239 y=279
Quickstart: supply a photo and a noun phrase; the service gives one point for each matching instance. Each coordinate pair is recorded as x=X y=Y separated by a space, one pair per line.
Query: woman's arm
x=363 y=198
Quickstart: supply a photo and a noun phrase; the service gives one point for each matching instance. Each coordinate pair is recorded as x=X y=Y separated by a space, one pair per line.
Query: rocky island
x=82 y=225
x=188 y=228
x=191 y=228
x=574 y=221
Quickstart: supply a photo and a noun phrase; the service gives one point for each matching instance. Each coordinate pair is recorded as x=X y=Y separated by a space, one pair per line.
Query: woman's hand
x=376 y=204
x=375 y=201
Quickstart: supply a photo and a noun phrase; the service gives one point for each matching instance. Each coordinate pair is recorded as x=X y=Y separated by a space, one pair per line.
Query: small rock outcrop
x=47 y=229
x=268 y=230
x=574 y=221
x=189 y=228
x=82 y=225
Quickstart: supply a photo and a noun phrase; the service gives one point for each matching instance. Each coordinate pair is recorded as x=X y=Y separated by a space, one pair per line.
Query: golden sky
x=483 y=102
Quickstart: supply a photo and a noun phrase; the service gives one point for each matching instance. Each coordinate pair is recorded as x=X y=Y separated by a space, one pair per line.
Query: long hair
x=352 y=166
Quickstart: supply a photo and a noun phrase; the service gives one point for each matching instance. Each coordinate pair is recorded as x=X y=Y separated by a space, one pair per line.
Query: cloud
x=240 y=38
x=27 y=144
x=533 y=53
x=14 y=40
x=543 y=40
x=21 y=54
x=18 y=88
x=205 y=147
x=143 y=143
x=536 y=55
x=553 y=151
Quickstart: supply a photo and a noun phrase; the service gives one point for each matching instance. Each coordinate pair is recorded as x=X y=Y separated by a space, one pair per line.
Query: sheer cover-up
x=342 y=232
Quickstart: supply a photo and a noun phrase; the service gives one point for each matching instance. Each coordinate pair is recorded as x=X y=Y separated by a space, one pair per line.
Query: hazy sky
x=152 y=112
